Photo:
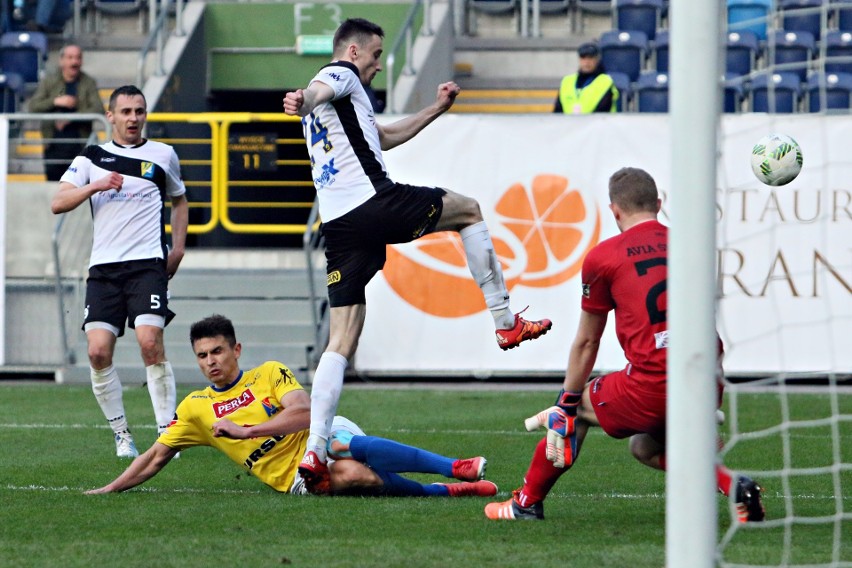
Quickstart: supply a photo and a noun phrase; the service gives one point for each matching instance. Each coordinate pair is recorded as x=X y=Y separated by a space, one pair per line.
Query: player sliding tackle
x=625 y=274
x=363 y=211
x=275 y=413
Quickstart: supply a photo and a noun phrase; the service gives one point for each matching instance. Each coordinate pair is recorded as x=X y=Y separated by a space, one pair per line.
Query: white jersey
x=343 y=142
x=128 y=224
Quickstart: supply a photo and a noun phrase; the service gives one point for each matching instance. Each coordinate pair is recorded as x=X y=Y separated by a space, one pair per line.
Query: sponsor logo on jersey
x=226 y=407
x=269 y=406
x=661 y=339
x=72 y=169
x=587 y=290
x=148 y=170
x=327 y=175
x=107 y=160
x=261 y=451
x=333 y=278
x=334 y=76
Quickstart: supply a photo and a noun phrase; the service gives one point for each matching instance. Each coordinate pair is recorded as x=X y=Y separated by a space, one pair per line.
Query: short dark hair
x=358 y=30
x=128 y=91
x=633 y=190
x=213 y=326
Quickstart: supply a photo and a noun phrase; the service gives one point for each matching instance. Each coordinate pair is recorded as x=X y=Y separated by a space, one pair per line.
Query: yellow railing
x=257 y=157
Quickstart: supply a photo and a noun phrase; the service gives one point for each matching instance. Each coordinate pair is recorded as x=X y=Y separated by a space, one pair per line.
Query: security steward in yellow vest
x=590 y=89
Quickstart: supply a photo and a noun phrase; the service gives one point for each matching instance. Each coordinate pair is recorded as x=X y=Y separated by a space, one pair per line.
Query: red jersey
x=627 y=273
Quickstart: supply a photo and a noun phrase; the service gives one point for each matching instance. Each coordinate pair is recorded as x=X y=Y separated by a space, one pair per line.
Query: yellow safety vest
x=585 y=100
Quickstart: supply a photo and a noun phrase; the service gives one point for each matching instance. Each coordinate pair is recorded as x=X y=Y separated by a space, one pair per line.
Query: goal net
x=785 y=306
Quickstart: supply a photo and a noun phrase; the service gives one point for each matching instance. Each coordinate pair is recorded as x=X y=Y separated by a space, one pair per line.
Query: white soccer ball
x=776 y=159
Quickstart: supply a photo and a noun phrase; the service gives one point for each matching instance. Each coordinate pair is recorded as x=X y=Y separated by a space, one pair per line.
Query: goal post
x=695 y=99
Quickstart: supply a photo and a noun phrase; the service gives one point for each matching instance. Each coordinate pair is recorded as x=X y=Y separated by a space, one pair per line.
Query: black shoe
x=749 y=506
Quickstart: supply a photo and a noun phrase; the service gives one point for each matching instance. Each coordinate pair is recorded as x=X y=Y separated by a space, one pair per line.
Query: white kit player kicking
x=126 y=182
x=363 y=210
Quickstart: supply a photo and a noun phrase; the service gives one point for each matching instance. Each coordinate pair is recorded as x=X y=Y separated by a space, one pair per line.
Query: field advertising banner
x=784 y=254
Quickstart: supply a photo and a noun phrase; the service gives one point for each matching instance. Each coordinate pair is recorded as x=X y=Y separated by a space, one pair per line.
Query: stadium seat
x=553 y=6
x=749 y=15
x=801 y=16
x=774 y=93
x=741 y=52
x=843 y=14
x=838 y=52
x=11 y=92
x=584 y=7
x=638 y=15
x=652 y=92
x=661 y=51
x=837 y=88
x=624 y=51
x=793 y=51
x=733 y=93
x=625 y=94
x=493 y=6
x=23 y=53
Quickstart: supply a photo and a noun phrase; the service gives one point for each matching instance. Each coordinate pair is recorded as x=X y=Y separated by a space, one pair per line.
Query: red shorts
x=627 y=402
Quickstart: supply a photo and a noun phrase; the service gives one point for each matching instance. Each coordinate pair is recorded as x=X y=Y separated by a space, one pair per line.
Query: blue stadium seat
x=652 y=92
x=749 y=15
x=741 y=52
x=838 y=52
x=639 y=16
x=625 y=93
x=733 y=93
x=624 y=51
x=801 y=16
x=843 y=14
x=774 y=93
x=661 y=51
x=793 y=50
x=493 y=6
x=23 y=53
x=837 y=88
x=553 y=6
x=11 y=92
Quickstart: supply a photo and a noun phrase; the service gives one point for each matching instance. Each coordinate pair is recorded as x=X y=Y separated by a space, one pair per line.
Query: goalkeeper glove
x=559 y=421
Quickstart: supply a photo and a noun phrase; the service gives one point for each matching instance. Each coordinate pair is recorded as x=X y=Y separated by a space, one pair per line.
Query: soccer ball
x=776 y=159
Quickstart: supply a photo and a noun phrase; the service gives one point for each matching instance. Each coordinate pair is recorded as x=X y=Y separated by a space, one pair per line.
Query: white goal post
x=691 y=499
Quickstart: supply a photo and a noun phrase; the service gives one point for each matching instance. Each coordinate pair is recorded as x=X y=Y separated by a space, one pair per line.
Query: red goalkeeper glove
x=559 y=421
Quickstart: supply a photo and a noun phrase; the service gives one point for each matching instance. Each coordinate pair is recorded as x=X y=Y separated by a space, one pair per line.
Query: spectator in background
x=68 y=89
x=588 y=90
x=50 y=16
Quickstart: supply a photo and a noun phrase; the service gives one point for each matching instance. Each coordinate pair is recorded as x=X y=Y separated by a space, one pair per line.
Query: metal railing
x=405 y=39
x=157 y=36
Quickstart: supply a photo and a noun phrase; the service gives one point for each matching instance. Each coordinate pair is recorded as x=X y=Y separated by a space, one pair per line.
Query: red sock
x=723 y=479
x=540 y=477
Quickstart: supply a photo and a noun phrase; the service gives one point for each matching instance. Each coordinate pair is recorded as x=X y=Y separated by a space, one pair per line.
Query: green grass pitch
x=202 y=510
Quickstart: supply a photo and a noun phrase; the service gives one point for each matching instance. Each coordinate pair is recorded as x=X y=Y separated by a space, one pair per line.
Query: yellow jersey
x=254 y=397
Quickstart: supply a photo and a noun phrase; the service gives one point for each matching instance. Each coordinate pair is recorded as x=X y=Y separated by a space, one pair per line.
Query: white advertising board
x=785 y=256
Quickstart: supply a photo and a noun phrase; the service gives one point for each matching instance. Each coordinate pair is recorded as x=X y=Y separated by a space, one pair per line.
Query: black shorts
x=355 y=242
x=118 y=292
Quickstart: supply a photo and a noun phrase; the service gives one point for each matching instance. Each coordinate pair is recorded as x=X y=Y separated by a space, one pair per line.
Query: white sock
x=161 y=387
x=325 y=394
x=487 y=272
x=107 y=389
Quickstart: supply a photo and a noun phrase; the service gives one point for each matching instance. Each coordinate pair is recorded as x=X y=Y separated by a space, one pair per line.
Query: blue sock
x=389 y=456
x=399 y=486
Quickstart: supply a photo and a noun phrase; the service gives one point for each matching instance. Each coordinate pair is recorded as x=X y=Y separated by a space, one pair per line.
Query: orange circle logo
x=541 y=238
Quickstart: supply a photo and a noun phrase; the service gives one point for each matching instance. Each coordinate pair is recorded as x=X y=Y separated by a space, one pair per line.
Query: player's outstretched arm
x=70 y=196
x=584 y=351
x=294 y=417
x=141 y=470
x=401 y=131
